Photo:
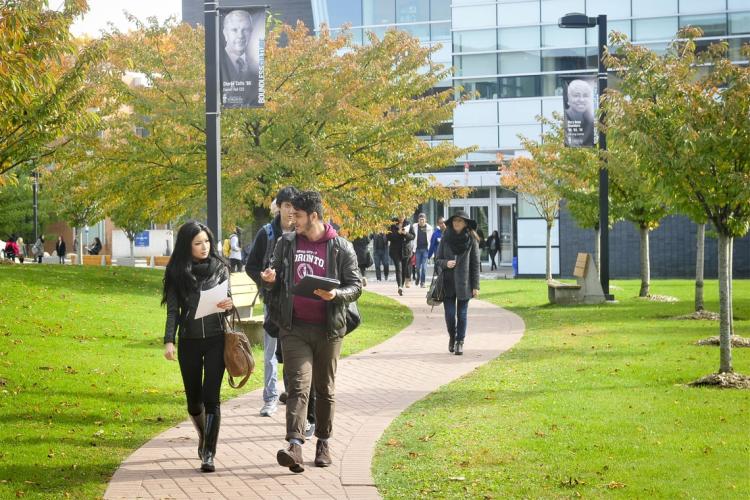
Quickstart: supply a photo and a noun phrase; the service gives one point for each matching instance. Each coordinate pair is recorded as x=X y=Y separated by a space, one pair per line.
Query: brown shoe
x=291 y=457
x=322 y=454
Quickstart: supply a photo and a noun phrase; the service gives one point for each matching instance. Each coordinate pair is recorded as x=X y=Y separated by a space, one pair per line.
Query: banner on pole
x=242 y=39
x=580 y=100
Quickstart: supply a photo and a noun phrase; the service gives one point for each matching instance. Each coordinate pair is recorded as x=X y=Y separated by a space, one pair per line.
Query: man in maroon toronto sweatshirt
x=311 y=328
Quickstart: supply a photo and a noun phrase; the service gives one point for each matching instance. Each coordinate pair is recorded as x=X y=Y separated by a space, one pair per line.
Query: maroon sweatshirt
x=311 y=258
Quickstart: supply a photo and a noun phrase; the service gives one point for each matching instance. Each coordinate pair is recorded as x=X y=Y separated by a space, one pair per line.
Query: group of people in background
x=15 y=248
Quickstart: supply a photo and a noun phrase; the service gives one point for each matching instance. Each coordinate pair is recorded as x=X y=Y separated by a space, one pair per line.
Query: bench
x=587 y=290
x=245 y=296
x=158 y=261
x=97 y=260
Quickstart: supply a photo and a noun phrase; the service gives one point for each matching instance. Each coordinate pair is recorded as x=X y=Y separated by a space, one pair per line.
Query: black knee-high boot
x=451 y=341
x=213 y=421
x=199 y=421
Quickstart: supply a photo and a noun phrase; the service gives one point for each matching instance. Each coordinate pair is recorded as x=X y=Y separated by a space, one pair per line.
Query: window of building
x=519 y=86
x=649 y=8
x=563 y=59
x=474 y=41
x=702 y=6
x=481 y=88
x=414 y=11
x=378 y=12
x=554 y=36
x=519 y=62
x=614 y=9
x=517 y=13
x=714 y=25
x=518 y=38
x=475 y=65
x=592 y=34
x=473 y=17
x=663 y=28
x=553 y=10
x=440 y=31
x=739 y=24
x=344 y=11
x=440 y=10
x=737 y=4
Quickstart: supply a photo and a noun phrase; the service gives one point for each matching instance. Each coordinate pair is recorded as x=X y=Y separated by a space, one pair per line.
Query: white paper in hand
x=209 y=299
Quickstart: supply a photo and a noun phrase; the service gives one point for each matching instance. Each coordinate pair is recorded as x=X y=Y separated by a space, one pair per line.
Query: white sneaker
x=309 y=429
x=269 y=408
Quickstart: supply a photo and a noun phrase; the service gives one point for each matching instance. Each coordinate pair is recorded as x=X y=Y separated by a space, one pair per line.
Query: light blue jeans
x=421 y=265
x=270 y=365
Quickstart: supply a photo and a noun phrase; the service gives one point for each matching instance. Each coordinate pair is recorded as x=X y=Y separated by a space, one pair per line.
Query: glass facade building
x=509 y=56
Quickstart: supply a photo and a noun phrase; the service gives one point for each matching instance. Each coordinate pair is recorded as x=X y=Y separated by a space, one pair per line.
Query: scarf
x=458 y=242
x=205 y=268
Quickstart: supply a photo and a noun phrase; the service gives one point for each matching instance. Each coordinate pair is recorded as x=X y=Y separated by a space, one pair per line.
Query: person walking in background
x=196 y=265
x=95 y=247
x=311 y=330
x=380 y=251
x=399 y=237
x=458 y=258
x=437 y=235
x=364 y=259
x=235 y=251
x=11 y=248
x=38 y=249
x=482 y=242
x=258 y=259
x=60 y=249
x=422 y=237
x=21 y=249
x=493 y=246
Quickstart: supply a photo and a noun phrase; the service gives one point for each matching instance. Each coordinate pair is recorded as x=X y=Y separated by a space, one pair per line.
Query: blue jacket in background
x=437 y=234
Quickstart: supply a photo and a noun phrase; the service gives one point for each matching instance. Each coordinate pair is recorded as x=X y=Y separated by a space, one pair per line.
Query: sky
x=103 y=11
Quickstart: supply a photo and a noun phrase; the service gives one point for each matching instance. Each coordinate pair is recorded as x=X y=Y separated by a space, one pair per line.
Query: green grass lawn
x=82 y=378
x=591 y=402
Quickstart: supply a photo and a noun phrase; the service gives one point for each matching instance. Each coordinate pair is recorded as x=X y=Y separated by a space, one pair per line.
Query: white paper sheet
x=209 y=299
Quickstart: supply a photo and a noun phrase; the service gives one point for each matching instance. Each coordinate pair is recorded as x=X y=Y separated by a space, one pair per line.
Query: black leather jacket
x=181 y=316
x=341 y=264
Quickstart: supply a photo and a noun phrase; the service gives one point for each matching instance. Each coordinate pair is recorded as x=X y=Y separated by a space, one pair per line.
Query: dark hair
x=286 y=194
x=179 y=272
x=97 y=240
x=309 y=201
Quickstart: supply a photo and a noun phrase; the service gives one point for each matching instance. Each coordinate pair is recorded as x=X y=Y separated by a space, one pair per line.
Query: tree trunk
x=80 y=246
x=730 y=286
x=549 y=251
x=725 y=343
x=132 y=247
x=699 y=265
x=598 y=251
x=645 y=264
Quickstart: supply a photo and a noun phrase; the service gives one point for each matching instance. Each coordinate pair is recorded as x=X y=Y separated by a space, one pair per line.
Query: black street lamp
x=213 y=127
x=578 y=20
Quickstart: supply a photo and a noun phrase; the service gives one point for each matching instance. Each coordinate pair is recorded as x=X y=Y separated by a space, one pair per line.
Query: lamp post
x=36 y=205
x=578 y=20
x=213 y=127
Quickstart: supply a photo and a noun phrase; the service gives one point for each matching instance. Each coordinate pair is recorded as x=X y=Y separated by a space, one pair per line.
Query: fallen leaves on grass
x=615 y=485
x=457 y=478
x=393 y=442
x=737 y=341
x=660 y=298
x=723 y=381
x=572 y=482
x=700 y=315
x=427 y=437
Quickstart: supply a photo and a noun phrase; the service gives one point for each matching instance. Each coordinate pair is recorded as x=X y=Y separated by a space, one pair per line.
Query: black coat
x=399 y=243
x=464 y=278
x=60 y=248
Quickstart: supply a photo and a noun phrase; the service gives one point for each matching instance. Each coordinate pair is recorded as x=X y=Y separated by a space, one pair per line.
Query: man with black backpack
x=258 y=259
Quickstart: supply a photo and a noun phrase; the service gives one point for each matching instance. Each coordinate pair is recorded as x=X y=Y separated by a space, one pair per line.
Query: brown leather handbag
x=238 y=358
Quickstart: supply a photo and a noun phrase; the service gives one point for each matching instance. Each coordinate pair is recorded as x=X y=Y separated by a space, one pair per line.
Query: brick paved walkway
x=372 y=388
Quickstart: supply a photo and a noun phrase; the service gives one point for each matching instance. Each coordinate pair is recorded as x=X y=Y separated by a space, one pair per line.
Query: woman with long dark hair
x=399 y=237
x=493 y=246
x=458 y=259
x=196 y=265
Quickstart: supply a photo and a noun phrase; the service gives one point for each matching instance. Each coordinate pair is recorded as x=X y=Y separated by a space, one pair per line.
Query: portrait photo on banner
x=580 y=101
x=242 y=36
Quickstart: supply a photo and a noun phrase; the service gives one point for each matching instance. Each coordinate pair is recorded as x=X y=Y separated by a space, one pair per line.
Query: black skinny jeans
x=401 y=266
x=202 y=368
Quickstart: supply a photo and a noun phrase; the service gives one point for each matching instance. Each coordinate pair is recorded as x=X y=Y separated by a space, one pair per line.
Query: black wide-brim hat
x=469 y=221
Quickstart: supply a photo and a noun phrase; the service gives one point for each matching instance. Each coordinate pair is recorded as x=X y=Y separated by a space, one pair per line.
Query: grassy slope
x=82 y=377
x=591 y=402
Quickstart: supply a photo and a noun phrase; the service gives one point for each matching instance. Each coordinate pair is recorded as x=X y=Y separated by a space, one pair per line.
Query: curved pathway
x=372 y=388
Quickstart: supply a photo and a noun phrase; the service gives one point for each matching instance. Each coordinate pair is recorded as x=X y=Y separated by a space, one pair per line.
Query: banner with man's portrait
x=580 y=101
x=242 y=38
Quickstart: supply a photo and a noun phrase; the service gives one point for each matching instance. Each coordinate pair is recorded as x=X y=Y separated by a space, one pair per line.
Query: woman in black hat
x=458 y=258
